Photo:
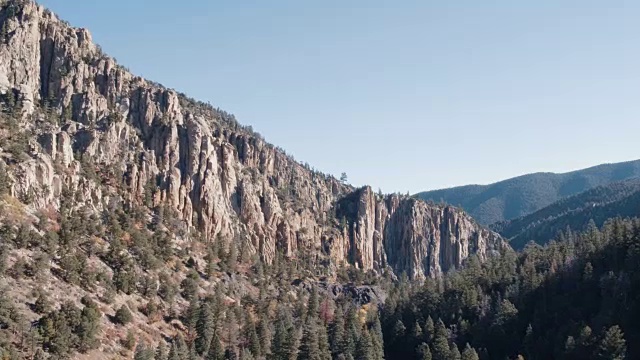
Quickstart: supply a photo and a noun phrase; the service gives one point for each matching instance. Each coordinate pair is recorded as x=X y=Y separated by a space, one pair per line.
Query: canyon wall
x=106 y=135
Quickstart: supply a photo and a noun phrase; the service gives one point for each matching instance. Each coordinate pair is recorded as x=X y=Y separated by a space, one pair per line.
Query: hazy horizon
x=411 y=97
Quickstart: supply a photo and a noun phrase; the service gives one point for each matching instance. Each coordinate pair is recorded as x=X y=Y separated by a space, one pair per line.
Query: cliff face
x=410 y=235
x=81 y=111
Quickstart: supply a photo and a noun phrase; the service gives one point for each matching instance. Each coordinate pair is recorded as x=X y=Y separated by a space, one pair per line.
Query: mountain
x=523 y=195
x=131 y=214
x=619 y=199
x=86 y=120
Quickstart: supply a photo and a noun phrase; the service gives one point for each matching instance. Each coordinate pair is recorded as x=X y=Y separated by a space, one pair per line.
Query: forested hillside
x=523 y=195
x=575 y=212
x=576 y=299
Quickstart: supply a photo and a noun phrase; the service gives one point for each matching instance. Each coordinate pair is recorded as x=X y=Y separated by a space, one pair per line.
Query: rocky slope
x=92 y=128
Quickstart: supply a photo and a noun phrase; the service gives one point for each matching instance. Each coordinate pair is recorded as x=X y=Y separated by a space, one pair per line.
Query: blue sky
x=403 y=95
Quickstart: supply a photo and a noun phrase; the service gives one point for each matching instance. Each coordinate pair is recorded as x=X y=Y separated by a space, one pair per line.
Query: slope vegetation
x=523 y=195
x=620 y=199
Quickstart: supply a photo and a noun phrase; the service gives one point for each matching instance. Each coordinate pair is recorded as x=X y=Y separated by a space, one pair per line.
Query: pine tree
x=398 y=333
x=216 y=351
x=193 y=354
x=130 y=340
x=253 y=341
x=417 y=331
x=89 y=326
x=264 y=334
x=424 y=351
x=377 y=338
x=231 y=331
x=143 y=352
x=469 y=353
x=314 y=304
x=247 y=355
x=174 y=352
x=612 y=346
x=161 y=351
x=123 y=315
x=352 y=332
x=323 y=342
x=429 y=329
x=364 y=347
x=309 y=345
x=336 y=338
x=454 y=353
x=284 y=338
x=191 y=315
x=183 y=349
x=205 y=328
x=440 y=342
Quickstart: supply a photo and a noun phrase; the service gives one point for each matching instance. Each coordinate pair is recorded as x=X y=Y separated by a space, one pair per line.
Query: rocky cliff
x=91 y=128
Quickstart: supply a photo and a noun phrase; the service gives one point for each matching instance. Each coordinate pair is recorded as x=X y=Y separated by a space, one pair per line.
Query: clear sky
x=401 y=95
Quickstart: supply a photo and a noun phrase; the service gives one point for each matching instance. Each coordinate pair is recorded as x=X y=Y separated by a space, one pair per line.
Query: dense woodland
x=574 y=299
x=619 y=199
x=523 y=195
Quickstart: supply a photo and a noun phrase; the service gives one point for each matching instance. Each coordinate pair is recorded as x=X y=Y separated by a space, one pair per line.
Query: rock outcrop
x=83 y=112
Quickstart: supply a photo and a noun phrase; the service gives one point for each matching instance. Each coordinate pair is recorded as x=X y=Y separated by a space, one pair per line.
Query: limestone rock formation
x=82 y=111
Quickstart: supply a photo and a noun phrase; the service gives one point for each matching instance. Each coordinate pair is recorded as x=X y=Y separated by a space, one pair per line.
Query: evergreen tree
x=454 y=353
x=216 y=351
x=336 y=335
x=89 y=326
x=205 y=328
x=417 y=331
x=123 y=315
x=143 y=352
x=161 y=351
x=612 y=346
x=264 y=334
x=247 y=355
x=130 y=340
x=424 y=352
x=323 y=342
x=377 y=338
x=469 y=353
x=191 y=315
x=441 y=349
x=352 y=332
x=42 y=304
x=181 y=345
x=314 y=304
x=429 y=329
x=253 y=341
x=309 y=345
x=284 y=338
x=193 y=354
x=364 y=347
x=174 y=352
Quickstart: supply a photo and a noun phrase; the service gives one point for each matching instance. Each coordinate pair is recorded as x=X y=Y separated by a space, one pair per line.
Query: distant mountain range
x=526 y=194
x=620 y=199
